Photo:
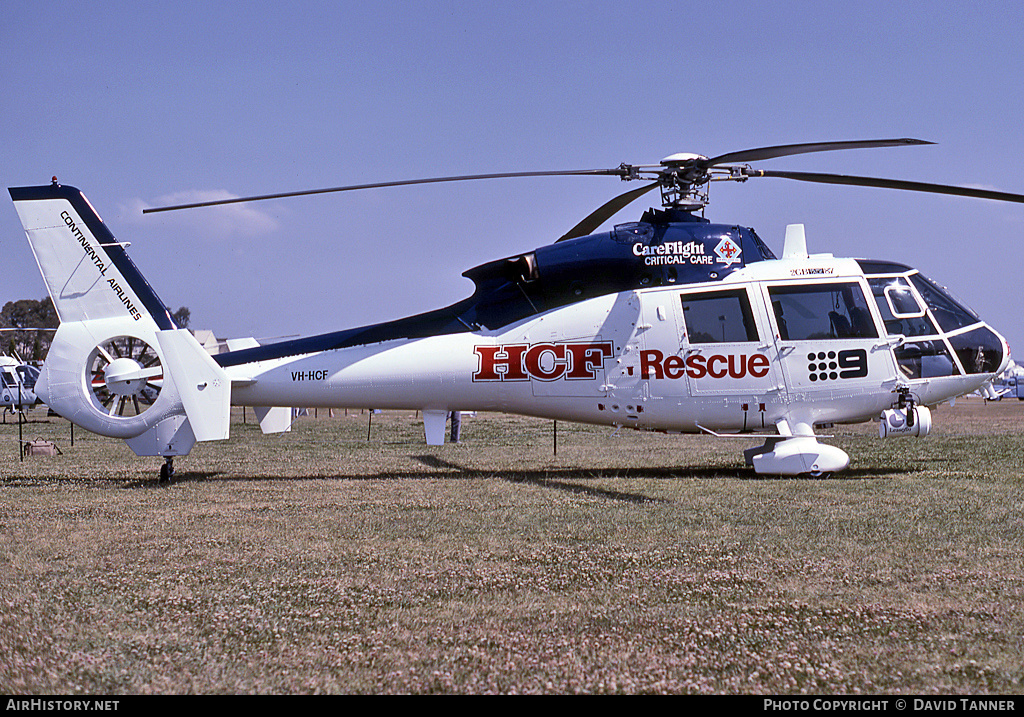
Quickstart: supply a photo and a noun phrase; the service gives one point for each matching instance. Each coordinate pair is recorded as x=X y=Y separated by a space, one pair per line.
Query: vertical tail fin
x=87 y=272
x=118 y=365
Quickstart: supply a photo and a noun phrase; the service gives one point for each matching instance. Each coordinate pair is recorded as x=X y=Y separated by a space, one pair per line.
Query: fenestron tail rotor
x=681 y=177
x=125 y=376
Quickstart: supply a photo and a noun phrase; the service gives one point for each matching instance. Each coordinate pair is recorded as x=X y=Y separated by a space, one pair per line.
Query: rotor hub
x=124 y=377
x=681 y=159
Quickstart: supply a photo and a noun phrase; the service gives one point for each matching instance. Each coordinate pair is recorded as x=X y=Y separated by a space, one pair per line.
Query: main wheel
x=166 y=473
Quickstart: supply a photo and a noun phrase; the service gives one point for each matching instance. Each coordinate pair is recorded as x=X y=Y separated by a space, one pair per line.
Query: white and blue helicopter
x=17 y=384
x=670 y=323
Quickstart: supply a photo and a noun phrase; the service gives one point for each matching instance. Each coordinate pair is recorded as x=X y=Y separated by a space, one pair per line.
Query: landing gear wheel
x=816 y=475
x=167 y=470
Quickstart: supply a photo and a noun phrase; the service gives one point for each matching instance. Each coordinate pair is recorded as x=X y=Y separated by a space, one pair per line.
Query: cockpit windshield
x=28 y=375
x=949 y=314
x=944 y=337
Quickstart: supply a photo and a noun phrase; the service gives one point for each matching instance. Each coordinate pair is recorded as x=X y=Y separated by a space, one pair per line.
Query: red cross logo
x=728 y=252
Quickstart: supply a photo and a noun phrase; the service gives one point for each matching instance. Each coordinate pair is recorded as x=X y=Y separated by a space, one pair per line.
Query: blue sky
x=148 y=104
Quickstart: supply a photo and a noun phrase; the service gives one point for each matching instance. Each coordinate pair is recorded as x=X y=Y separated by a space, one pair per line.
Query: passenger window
x=822 y=311
x=719 y=317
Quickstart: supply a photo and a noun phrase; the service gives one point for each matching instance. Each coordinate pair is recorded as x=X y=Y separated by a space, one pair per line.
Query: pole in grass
x=21 y=438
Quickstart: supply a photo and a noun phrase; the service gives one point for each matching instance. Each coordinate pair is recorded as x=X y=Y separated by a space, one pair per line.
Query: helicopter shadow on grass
x=569 y=480
x=699 y=472
x=555 y=479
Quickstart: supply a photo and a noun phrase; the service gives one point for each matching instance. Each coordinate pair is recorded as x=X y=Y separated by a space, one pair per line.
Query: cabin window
x=901 y=312
x=806 y=312
x=8 y=380
x=719 y=317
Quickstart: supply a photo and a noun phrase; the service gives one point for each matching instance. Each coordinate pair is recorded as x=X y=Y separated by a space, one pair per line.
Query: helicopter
x=18 y=378
x=17 y=384
x=670 y=323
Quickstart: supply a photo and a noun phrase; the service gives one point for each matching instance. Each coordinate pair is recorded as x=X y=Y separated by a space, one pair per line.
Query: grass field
x=320 y=561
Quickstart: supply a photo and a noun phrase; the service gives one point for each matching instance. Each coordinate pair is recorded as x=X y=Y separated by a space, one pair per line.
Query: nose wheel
x=167 y=470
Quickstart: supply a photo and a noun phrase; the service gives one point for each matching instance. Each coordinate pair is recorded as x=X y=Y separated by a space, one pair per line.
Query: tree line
x=34 y=323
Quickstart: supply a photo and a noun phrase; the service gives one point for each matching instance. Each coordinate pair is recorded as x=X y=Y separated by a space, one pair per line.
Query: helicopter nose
x=42 y=387
x=1006 y=354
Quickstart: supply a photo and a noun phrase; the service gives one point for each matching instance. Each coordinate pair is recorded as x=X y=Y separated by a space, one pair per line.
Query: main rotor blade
x=618 y=171
x=600 y=215
x=785 y=150
x=892 y=184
